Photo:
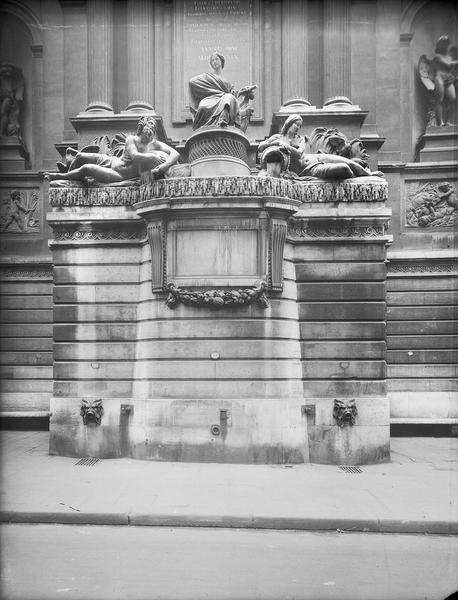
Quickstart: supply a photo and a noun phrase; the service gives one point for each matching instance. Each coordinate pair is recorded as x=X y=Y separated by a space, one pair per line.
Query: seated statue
x=439 y=76
x=306 y=159
x=142 y=152
x=214 y=100
x=289 y=139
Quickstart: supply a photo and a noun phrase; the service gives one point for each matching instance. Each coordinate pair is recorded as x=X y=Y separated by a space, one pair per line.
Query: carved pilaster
x=336 y=48
x=294 y=49
x=100 y=55
x=140 y=55
x=277 y=243
x=157 y=242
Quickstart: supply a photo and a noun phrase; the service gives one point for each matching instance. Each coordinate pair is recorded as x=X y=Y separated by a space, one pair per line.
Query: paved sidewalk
x=416 y=493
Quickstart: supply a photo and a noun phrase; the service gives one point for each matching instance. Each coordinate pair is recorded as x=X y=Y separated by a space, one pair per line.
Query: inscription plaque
x=202 y=27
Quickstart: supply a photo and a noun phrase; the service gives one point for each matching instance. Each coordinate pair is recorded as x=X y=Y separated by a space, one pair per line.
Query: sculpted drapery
x=212 y=101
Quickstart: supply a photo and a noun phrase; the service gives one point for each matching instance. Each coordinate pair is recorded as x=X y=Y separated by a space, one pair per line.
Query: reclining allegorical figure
x=303 y=162
x=142 y=152
x=214 y=100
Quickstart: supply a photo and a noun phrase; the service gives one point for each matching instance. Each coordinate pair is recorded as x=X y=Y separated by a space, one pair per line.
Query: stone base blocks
x=339 y=256
x=194 y=322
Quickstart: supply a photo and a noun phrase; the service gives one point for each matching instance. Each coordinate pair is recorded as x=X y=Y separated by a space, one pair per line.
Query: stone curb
x=436 y=527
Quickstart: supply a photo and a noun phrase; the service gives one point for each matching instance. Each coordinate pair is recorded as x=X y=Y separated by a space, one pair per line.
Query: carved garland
x=217 y=299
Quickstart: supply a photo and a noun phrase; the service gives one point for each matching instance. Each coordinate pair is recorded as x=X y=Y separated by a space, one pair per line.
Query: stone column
x=140 y=55
x=100 y=55
x=336 y=48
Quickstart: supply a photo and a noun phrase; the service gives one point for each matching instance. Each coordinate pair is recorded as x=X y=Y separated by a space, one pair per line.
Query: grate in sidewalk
x=348 y=469
x=86 y=462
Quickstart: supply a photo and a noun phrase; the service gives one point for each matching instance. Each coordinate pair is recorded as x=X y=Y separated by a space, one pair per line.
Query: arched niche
x=422 y=24
x=21 y=45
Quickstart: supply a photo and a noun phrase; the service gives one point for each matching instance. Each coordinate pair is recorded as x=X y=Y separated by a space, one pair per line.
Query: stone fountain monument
x=192 y=315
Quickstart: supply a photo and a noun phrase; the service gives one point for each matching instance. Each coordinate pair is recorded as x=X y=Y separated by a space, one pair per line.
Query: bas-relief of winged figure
x=439 y=76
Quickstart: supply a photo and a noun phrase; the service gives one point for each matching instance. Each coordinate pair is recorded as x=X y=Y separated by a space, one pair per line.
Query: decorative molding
x=278 y=229
x=157 y=237
x=301 y=229
x=98 y=233
x=26 y=271
x=20 y=211
x=217 y=299
x=92 y=411
x=423 y=268
x=222 y=144
x=345 y=412
x=360 y=189
x=94 y=196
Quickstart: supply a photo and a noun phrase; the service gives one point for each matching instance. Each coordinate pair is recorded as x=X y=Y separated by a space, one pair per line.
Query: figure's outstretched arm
x=173 y=157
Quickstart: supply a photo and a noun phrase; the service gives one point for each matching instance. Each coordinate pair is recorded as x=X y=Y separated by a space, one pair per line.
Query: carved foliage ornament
x=432 y=205
x=92 y=411
x=217 y=299
x=345 y=412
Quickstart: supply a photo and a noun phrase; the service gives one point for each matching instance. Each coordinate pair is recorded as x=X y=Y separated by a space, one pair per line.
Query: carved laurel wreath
x=217 y=299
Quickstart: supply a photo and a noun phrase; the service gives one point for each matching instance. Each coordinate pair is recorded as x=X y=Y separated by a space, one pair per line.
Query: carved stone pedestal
x=190 y=324
x=216 y=151
x=190 y=341
x=11 y=155
x=440 y=144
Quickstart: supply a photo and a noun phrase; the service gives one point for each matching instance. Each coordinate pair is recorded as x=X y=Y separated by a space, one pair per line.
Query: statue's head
x=147 y=128
x=292 y=120
x=442 y=44
x=214 y=58
x=445 y=187
x=275 y=160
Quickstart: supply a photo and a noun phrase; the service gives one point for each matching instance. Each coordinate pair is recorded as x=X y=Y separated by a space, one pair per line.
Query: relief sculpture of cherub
x=439 y=75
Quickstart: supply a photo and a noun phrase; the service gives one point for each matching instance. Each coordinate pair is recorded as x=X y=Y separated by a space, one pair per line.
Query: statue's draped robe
x=212 y=101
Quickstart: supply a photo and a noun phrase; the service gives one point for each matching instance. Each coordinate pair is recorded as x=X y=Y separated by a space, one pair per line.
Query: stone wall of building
x=119 y=56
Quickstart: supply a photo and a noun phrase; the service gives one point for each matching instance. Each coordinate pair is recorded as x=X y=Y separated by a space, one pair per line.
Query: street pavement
x=417 y=492
x=77 y=562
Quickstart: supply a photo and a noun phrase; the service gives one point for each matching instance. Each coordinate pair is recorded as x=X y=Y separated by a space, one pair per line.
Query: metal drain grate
x=347 y=469
x=87 y=462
